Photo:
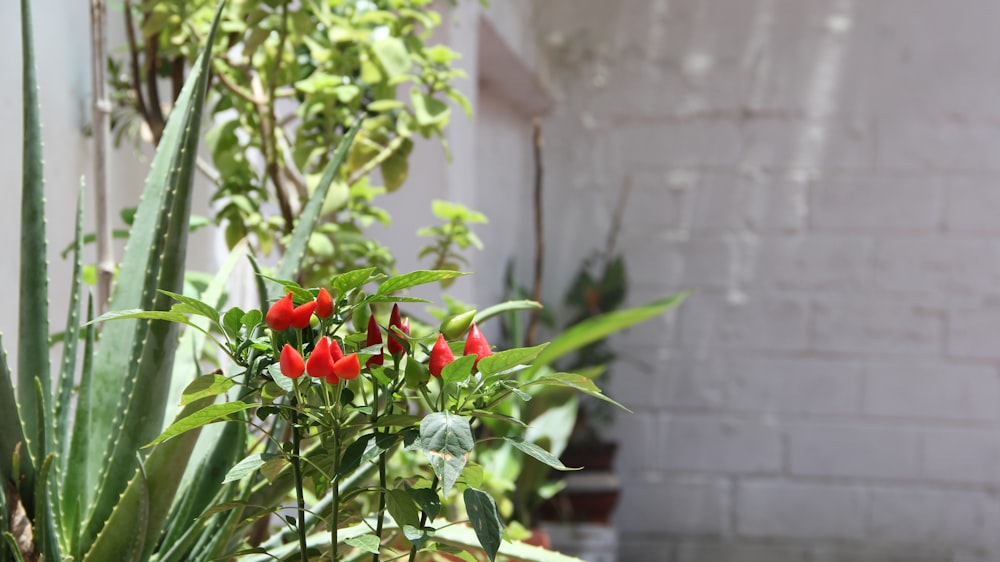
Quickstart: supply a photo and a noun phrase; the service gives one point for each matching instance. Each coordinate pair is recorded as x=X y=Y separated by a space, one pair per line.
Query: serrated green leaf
x=415 y=278
x=485 y=520
x=447 y=441
x=508 y=359
x=33 y=303
x=207 y=385
x=295 y=251
x=134 y=363
x=205 y=416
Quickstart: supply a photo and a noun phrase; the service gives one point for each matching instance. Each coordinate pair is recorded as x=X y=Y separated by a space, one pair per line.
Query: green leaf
x=573 y=380
x=346 y=282
x=205 y=416
x=12 y=435
x=427 y=499
x=207 y=385
x=538 y=453
x=381 y=106
x=296 y=249
x=132 y=372
x=458 y=370
x=392 y=55
x=75 y=481
x=415 y=278
x=428 y=110
x=248 y=466
x=33 y=303
x=354 y=453
x=484 y=519
x=45 y=511
x=600 y=327
x=508 y=359
x=402 y=508
x=64 y=387
x=447 y=441
x=368 y=543
x=143 y=507
x=504 y=307
x=462 y=535
x=191 y=305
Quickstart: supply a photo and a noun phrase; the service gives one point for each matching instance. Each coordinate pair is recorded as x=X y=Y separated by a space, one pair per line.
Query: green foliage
x=291 y=79
x=452 y=236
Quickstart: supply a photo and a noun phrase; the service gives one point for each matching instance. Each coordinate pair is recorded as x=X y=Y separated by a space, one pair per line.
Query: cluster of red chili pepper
x=327 y=360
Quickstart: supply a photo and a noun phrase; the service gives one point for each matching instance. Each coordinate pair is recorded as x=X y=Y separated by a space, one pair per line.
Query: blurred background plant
x=287 y=82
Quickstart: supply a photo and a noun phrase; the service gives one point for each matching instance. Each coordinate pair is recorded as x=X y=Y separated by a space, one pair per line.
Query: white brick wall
x=827 y=175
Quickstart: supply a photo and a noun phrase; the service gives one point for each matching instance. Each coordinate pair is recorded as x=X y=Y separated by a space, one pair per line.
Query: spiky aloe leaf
x=195 y=498
x=64 y=386
x=33 y=311
x=143 y=507
x=46 y=539
x=12 y=433
x=296 y=250
x=75 y=481
x=135 y=358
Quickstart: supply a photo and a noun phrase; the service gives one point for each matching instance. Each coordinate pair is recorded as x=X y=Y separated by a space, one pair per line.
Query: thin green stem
x=300 y=499
x=423 y=519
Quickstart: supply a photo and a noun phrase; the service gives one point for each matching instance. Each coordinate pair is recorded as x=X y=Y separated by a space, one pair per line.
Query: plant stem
x=100 y=121
x=536 y=292
x=423 y=519
x=297 y=473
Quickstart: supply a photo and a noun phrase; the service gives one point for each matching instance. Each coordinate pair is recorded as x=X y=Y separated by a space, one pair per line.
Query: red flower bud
x=324 y=304
x=279 y=316
x=302 y=314
x=335 y=352
x=291 y=362
x=477 y=345
x=374 y=338
x=441 y=356
x=319 y=364
x=348 y=367
x=396 y=323
x=332 y=378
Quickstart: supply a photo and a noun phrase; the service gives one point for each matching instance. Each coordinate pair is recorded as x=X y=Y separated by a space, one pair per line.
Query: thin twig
x=101 y=118
x=616 y=220
x=133 y=52
x=156 y=120
x=536 y=292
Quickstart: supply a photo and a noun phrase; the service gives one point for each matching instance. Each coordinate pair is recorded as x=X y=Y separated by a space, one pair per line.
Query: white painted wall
x=826 y=175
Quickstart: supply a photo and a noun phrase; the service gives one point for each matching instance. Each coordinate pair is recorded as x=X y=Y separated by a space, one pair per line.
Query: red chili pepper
x=319 y=364
x=302 y=314
x=348 y=367
x=477 y=345
x=396 y=323
x=374 y=338
x=335 y=352
x=324 y=304
x=441 y=356
x=279 y=316
x=291 y=362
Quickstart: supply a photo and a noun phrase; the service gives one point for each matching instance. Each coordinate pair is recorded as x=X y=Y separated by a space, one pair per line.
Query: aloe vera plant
x=74 y=483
